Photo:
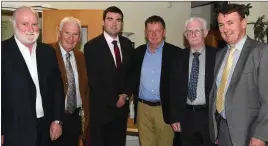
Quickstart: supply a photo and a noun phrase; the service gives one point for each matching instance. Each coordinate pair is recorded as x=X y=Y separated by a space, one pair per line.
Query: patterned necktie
x=224 y=78
x=117 y=54
x=193 y=77
x=71 y=92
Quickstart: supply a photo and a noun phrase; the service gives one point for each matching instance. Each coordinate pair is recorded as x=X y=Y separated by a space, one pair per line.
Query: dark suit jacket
x=105 y=81
x=169 y=52
x=180 y=81
x=246 y=99
x=19 y=121
x=82 y=78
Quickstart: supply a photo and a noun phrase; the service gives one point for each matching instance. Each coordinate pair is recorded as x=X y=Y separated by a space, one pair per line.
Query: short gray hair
x=203 y=22
x=70 y=19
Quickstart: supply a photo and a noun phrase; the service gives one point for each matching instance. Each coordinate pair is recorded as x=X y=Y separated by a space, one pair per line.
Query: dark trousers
x=195 y=128
x=113 y=133
x=177 y=139
x=43 y=137
x=70 y=131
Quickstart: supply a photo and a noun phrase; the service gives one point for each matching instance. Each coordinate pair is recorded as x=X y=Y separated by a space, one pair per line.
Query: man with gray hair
x=191 y=81
x=74 y=76
x=32 y=91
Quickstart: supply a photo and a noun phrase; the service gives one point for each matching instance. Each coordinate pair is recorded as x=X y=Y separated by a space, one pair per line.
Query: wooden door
x=91 y=20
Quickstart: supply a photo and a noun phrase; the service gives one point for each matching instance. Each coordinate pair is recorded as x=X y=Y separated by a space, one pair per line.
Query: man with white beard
x=32 y=92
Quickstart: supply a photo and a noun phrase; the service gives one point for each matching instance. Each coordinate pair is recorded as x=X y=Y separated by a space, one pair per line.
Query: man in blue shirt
x=150 y=82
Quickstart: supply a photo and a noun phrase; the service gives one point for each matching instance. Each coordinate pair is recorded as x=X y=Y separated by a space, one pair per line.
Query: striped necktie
x=71 y=92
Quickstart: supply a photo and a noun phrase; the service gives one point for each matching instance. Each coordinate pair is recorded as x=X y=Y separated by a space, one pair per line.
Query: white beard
x=27 y=37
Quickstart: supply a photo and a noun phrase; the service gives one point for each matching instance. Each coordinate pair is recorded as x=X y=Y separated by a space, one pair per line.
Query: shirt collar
x=109 y=39
x=63 y=52
x=239 y=45
x=201 y=51
x=158 y=49
x=23 y=47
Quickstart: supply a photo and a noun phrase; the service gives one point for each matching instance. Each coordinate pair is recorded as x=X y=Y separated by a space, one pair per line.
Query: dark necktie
x=193 y=77
x=71 y=92
x=117 y=54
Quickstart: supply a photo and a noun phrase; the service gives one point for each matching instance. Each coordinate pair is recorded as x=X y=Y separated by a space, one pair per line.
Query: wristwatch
x=58 y=122
x=127 y=98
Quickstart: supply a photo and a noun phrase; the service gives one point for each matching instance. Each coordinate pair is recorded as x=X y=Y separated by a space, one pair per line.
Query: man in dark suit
x=76 y=120
x=238 y=113
x=191 y=81
x=108 y=62
x=149 y=82
x=32 y=92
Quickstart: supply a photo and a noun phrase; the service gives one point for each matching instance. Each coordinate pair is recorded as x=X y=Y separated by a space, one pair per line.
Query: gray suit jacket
x=246 y=100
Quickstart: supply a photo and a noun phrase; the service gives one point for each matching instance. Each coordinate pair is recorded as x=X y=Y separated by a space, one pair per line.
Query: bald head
x=22 y=11
x=25 y=24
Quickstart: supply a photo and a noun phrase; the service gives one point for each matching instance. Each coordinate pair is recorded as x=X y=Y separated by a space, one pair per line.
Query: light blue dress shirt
x=150 y=75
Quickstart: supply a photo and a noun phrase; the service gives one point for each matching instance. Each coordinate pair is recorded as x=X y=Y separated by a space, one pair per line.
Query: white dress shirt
x=109 y=41
x=74 y=67
x=200 y=90
x=30 y=60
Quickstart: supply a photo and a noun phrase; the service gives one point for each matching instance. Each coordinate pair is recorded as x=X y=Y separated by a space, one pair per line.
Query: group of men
x=56 y=95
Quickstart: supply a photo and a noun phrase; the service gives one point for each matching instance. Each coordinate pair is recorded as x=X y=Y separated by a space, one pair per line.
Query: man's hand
x=121 y=101
x=176 y=127
x=55 y=131
x=217 y=141
x=256 y=142
x=2 y=139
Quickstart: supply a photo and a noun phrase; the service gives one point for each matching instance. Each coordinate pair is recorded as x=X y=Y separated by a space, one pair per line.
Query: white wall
x=258 y=9
x=135 y=14
x=203 y=12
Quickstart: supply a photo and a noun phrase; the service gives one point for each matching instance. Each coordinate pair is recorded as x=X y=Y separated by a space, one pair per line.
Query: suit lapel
x=140 y=58
x=106 y=51
x=20 y=60
x=185 y=66
x=40 y=70
x=123 y=46
x=78 y=66
x=240 y=63
x=61 y=62
x=209 y=63
x=163 y=62
x=219 y=61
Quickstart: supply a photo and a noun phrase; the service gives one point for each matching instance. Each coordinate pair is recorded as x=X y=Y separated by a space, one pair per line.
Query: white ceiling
x=198 y=3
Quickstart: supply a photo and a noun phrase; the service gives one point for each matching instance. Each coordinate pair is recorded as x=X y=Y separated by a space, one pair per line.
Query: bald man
x=32 y=104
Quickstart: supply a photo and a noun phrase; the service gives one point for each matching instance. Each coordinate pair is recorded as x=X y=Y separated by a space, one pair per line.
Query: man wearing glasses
x=191 y=81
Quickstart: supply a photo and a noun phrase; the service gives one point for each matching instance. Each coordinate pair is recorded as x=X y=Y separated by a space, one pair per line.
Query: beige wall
x=135 y=13
x=258 y=9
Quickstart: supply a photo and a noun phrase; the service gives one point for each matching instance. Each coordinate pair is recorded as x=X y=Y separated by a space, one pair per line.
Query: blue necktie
x=193 y=77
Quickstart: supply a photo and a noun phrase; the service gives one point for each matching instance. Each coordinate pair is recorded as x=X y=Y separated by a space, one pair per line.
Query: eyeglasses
x=196 y=31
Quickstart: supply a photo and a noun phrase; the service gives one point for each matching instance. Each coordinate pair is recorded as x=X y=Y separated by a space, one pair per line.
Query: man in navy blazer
x=191 y=81
x=149 y=82
x=108 y=61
